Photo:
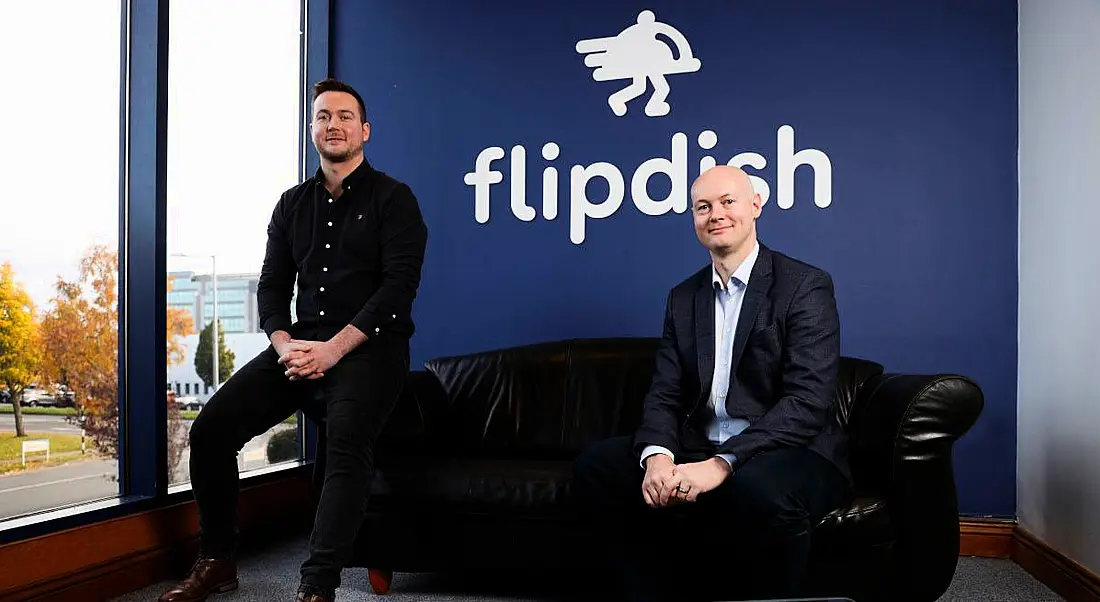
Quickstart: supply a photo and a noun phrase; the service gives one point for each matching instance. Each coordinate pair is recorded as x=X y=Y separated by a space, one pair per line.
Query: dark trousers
x=749 y=538
x=357 y=396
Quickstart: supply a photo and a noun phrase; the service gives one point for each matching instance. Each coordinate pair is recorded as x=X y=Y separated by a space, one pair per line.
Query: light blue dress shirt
x=728 y=298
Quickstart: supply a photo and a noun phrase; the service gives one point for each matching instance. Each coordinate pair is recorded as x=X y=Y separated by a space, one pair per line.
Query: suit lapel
x=704 y=332
x=759 y=282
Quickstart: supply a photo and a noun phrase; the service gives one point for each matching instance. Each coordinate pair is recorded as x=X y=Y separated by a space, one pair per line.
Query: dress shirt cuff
x=275 y=324
x=370 y=323
x=655 y=449
x=729 y=458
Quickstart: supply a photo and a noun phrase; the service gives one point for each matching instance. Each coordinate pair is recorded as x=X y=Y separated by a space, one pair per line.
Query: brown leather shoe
x=208 y=576
x=304 y=597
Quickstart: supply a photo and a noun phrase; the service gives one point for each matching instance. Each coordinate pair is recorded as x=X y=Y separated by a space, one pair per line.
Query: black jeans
x=359 y=393
x=748 y=538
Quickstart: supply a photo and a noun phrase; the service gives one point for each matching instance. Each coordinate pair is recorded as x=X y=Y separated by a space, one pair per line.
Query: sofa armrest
x=901 y=435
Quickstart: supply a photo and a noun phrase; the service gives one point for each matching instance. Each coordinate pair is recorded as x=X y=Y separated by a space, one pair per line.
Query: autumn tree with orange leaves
x=80 y=343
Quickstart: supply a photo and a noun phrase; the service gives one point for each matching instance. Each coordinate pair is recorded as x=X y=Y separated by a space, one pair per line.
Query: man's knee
x=204 y=433
x=599 y=459
x=207 y=430
x=603 y=472
x=759 y=505
x=585 y=465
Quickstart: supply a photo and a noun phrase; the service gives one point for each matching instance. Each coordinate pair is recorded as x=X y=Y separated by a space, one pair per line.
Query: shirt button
x=327 y=246
x=393 y=317
x=377 y=330
x=330 y=223
x=325 y=269
x=322 y=312
x=322 y=289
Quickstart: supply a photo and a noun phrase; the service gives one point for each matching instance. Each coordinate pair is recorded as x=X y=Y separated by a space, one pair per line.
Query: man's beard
x=347 y=155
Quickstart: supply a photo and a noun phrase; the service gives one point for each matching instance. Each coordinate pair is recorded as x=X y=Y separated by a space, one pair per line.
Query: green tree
x=204 y=362
x=20 y=352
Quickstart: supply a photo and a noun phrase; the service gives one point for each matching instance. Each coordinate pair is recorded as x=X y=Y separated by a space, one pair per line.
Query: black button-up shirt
x=357 y=258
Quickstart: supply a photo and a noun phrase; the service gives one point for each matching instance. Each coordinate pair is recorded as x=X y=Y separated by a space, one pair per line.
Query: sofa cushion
x=515 y=487
x=541 y=488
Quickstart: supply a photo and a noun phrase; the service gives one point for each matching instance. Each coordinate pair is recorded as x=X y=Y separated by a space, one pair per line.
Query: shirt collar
x=741 y=274
x=352 y=179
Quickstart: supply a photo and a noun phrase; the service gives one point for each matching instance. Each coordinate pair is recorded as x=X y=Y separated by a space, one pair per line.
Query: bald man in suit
x=739 y=432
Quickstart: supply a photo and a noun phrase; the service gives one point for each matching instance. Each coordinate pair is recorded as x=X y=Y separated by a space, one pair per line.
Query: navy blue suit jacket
x=786 y=356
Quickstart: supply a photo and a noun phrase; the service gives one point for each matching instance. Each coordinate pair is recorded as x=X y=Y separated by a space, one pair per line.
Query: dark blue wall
x=914 y=104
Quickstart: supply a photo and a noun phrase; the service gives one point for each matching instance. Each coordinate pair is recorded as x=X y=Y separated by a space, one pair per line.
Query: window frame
x=142 y=355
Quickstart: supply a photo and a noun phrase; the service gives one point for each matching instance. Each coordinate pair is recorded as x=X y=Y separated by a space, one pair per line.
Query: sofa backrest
x=552 y=399
x=544 y=399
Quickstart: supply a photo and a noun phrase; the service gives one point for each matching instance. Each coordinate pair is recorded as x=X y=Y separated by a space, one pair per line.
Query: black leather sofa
x=474 y=468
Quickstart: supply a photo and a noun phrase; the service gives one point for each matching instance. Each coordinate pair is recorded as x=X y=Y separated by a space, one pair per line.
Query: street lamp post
x=214 y=325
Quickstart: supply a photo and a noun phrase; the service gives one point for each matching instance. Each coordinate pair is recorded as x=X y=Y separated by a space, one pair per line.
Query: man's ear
x=366 y=131
x=756 y=205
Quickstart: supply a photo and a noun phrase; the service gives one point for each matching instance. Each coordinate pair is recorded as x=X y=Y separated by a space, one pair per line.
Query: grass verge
x=7 y=408
x=64 y=448
x=186 y=414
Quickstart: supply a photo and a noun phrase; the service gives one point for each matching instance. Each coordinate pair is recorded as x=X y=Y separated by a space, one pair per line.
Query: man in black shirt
x=354 y=239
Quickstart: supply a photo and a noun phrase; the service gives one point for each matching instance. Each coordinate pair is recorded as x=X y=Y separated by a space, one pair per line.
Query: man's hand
x=311 y=362
x=291 y=346
x=289 y=349
x=311 y=359
x=700 y=477
x=660 y=480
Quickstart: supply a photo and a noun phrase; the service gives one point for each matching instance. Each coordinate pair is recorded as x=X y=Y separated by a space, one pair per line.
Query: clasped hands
x=307 y=359
x=666 y=483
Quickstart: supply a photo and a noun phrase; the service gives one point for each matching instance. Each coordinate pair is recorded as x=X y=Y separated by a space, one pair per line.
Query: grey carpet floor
x=272 y=576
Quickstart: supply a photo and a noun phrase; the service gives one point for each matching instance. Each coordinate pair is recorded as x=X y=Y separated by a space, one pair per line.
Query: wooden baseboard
x=1006 y=539
x=986 y=538
x=117 y=556
x=1067 y=578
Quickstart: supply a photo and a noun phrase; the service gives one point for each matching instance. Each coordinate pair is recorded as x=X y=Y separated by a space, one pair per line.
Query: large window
x=59 y=254
x=143 y=167
x=233 y=147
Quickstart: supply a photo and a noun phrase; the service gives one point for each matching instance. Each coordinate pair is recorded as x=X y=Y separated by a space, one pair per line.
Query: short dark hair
x=334 y=85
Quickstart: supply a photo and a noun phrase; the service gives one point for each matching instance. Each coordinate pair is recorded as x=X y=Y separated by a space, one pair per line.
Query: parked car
x=190 y=402
x=35 y=396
